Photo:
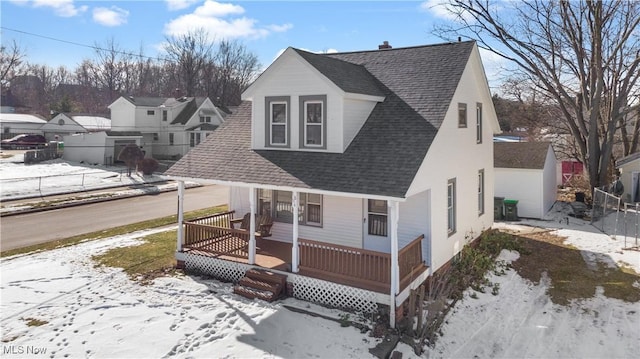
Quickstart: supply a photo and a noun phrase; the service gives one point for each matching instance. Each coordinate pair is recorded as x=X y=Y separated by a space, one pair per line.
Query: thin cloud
x=441 y=9
x=221 y=21
x=62 y=8
x=174 y=5
x=113 y=16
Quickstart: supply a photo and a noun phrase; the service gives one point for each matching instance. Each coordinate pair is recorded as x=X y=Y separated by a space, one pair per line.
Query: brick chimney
x=385 y=45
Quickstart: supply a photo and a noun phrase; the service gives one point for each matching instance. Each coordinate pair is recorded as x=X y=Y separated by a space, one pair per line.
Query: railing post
x=295 y=250
x=180 y=236
x=252 y=225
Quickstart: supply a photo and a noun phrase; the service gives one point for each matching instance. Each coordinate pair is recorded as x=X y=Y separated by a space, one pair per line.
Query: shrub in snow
x=148 y=166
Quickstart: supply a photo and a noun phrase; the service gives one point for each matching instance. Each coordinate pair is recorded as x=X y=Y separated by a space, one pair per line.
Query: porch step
x=261 y=284
x=258 y=284
x=252 y=293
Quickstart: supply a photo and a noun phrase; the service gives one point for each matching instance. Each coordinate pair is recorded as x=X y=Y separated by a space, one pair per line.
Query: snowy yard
x=58 y=304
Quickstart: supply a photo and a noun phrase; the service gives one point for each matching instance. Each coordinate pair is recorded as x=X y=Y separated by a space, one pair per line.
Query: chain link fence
x=616 y=218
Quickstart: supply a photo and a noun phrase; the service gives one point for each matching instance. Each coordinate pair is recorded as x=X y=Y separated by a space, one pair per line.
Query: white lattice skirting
x=217 y=268
x=305 y=288
x=333 y=294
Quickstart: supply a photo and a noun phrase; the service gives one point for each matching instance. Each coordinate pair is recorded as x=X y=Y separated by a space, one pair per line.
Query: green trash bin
x=511 y=209
x=498 y=208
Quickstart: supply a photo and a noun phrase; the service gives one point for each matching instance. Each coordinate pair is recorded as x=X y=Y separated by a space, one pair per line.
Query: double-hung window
x=478 y=122
x=194 y=139
x=462 y=115
x=481 y=192
x=451 y=206
x=277 y=121
x=313 y=121
x=165 y=115
x=279 y=205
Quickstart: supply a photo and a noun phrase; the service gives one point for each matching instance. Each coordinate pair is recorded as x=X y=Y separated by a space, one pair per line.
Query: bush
x=148 y=166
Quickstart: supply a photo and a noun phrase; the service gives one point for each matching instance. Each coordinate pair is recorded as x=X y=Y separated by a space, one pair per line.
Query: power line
x=93 y=47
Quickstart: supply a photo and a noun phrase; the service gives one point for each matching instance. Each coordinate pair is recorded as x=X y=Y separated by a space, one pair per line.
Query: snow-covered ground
x=59 y=176
x=86 y=311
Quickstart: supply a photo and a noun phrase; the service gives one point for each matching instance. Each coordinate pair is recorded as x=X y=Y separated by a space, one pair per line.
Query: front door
x=376 y=225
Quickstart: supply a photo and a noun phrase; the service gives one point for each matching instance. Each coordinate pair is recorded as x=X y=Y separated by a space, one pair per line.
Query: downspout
x=395 y=270
x=252 y=225
x=180 y=236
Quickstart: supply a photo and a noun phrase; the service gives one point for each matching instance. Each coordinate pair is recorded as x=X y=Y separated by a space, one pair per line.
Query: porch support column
x=252 y=225
x=180 y=236
x=394 y=214
x=295 y=250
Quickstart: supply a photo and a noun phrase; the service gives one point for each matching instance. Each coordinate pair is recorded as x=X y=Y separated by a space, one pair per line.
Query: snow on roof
x=21 y=118
x=93 y=122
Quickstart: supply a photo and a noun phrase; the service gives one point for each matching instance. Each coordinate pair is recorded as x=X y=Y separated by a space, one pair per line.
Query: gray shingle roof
x=383 y=158
x=188 y=110
x=146 y=101
x=349 y=77
x=625 y=160
x=524 y=155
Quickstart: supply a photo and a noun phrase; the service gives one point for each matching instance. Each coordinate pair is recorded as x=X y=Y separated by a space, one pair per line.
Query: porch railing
x=410 y=261
x=214 y=234
x=345 y=263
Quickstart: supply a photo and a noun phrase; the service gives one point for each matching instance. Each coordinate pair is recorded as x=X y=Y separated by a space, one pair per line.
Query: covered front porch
x=321 y=250
x=214 y=236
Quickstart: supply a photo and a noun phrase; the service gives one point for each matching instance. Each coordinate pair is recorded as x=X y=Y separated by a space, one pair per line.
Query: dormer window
x=277 y=121
x=313 y=121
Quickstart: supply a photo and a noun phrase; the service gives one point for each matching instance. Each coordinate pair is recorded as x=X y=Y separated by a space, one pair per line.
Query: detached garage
x=526 y=172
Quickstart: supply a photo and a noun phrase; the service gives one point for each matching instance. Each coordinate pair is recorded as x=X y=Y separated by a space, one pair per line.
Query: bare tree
x=10 y=60
x=111 y=68
x=585 y=55
x=131 y=154
x=189 y=53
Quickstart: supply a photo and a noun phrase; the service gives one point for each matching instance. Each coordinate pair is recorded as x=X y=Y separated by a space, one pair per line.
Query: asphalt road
x=34 y=228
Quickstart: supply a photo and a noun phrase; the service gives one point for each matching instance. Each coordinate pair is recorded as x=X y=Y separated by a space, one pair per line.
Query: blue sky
x=265 y=27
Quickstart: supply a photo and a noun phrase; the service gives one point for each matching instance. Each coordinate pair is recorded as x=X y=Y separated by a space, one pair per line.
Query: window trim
x=462 y=120
x=372 y=213
x=451 y=206
x=481 y=201
x=302 y=101
x=171 y=138
x=165 y=115
x=478 y=123
x=269 y=100
x=151 y=112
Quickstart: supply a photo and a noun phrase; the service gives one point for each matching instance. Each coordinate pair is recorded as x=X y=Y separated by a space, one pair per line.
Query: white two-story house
x=169 y=127
x=375 y=167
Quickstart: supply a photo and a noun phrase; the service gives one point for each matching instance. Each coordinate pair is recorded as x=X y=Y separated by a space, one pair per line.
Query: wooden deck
x=213 y=236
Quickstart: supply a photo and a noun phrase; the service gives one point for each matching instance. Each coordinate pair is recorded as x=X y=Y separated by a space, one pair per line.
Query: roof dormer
x=310 y=102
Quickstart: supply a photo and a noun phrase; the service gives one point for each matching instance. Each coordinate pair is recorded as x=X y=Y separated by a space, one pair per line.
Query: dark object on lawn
x=148 y=166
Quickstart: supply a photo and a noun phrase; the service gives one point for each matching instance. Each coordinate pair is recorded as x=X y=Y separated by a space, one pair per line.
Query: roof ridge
x=394 y=48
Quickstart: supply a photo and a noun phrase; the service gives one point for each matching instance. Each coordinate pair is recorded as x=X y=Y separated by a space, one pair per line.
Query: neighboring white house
x=170 y=127
x=386 y=156
x=526 y=172
x=100 y=147
x=629 y=168
x=12 y=124
x=68 y=123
